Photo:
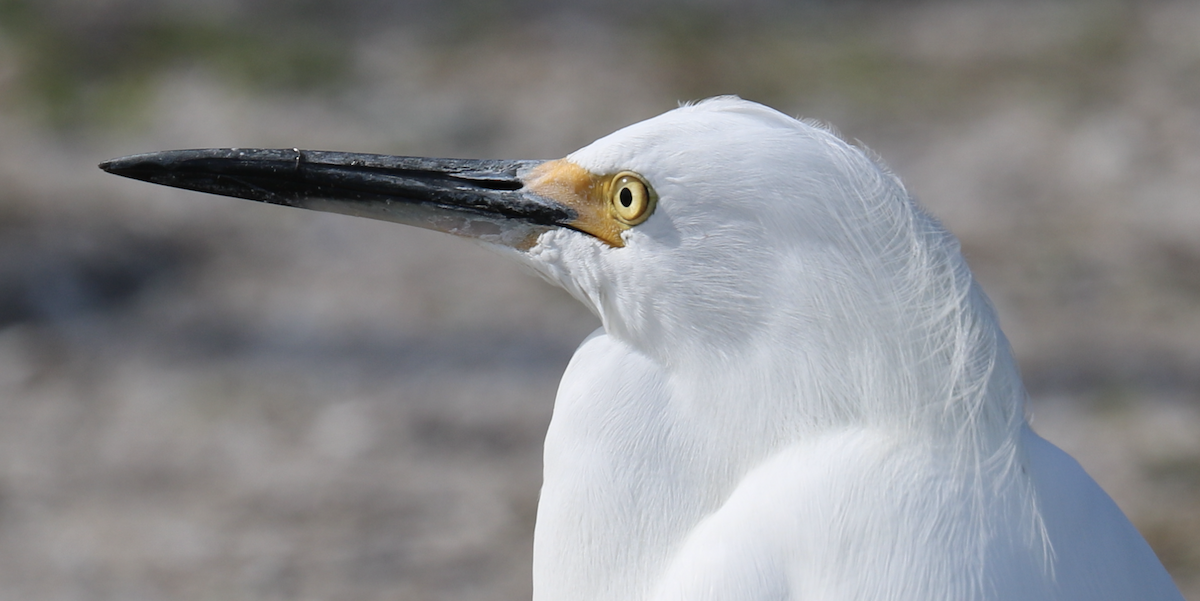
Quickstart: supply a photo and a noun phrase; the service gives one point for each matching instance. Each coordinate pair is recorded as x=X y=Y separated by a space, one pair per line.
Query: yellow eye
x=631 y=199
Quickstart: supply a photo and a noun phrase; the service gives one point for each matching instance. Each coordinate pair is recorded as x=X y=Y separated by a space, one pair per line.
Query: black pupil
x=626 y=197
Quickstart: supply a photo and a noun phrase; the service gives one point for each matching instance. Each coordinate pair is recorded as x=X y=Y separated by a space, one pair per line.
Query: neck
x=889 y=338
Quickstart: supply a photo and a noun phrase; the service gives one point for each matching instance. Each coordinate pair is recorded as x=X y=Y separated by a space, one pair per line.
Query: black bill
x=483 y=199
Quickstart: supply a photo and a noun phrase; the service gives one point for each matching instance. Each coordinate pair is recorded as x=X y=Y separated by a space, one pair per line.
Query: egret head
x=774 y=249
x=757 y=223
x=709 y=238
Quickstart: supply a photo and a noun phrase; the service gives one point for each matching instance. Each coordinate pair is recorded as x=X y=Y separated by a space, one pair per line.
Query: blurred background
x=206 y=398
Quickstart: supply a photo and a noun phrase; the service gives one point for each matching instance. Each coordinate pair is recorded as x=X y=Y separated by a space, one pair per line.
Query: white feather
x=799 y=392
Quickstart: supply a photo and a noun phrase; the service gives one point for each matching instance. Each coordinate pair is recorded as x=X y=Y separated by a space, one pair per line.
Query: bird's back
x=1097 y=553
x=635 y=507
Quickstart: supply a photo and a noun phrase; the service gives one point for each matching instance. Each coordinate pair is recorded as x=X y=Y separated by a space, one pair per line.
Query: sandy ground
x=203 y=398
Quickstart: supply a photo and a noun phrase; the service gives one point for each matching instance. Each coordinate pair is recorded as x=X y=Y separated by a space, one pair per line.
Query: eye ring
x=630 y=198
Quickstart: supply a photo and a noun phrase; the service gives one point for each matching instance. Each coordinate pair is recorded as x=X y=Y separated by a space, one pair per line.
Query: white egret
x=798 y=393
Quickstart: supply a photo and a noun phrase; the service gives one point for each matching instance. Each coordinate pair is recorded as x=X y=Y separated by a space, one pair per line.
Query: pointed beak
x=484 y=199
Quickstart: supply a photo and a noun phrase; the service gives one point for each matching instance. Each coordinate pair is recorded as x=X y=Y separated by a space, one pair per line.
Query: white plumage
x=799 y=392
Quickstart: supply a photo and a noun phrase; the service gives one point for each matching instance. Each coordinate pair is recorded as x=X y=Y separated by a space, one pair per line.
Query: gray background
x=204 y=398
